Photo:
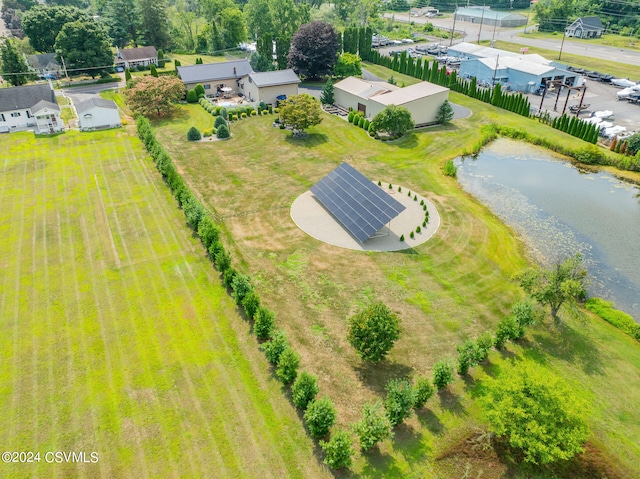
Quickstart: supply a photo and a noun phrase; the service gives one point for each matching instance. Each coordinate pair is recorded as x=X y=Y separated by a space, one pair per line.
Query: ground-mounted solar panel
x=360 y=206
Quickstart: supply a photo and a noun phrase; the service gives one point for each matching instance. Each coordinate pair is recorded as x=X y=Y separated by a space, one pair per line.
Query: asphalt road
x=473 y=32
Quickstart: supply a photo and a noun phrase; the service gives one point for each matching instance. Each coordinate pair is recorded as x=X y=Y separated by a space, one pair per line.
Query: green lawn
x=116 y=336
x=453 y=287
x=582 y=61
x=618 y=41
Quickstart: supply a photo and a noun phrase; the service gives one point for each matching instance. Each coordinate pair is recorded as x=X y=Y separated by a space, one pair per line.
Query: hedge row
x=619 y=319
x=319 y=413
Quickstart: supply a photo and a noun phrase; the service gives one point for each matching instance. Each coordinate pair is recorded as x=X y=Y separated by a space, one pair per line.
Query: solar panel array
x=358 y=205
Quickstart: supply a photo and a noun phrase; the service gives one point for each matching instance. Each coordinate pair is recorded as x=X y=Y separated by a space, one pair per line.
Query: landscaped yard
x=453 y=287
x=116 y=336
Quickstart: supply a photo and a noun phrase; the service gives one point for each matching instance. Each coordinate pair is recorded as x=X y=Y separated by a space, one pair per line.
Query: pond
x=559 y=210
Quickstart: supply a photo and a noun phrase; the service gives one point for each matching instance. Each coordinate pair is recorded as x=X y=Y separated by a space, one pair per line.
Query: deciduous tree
x=122 y=19
x=233 y=28
x=43 y=23
x=563 y=283
x=150 y=96
x=374 y=426
x=304 y=390
x=373 y=331
x=338 y=450
x=154 y=24
x=301 y=112
x=348 y=64
x=534 y=411
x=85 y=47
x=320 y=416
x=314 y=49
x=399 y=400
x=395 y=120
x=14 y=68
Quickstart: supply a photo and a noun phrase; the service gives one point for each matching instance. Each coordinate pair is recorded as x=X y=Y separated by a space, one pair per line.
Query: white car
x=407 y=40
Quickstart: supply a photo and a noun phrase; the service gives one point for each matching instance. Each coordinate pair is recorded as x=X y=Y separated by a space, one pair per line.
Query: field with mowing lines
x=453 y=287
x=116 y=336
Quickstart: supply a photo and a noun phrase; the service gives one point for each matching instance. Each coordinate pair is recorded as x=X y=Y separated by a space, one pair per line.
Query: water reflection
x=560 y=210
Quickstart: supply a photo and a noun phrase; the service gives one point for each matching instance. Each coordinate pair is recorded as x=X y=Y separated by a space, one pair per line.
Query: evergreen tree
x=154 y=71
x=394 y=64
x=327 y=98
x=410 y=66
x=473 y=87
x=123 y=21
x=496 y=96
x=417 y=72
x=433 y=76
x=426 y=73
x=403 y=62
x=154 y=24
x=13 y=65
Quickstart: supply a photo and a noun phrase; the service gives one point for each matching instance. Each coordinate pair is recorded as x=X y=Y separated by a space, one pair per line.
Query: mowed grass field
x=453 y=287
x=116 y=336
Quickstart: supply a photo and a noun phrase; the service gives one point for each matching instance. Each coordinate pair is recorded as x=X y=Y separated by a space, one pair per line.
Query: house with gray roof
x=44 y=64
x=29 y=107
x=135 y=57
x=97 y=114
x=268 y=86
x=237 y=77
x=585 y=27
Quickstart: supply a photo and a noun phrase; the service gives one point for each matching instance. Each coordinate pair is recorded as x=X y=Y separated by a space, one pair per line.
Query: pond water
x=560 y=210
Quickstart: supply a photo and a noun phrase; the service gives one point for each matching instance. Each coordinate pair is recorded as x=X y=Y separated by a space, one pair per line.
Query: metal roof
x=274 y=78
x=364 y=88
x=140 y=53
x=214 y=71
x=356 y=202
x=488 y=13
x=409 y=93
x=44 y=104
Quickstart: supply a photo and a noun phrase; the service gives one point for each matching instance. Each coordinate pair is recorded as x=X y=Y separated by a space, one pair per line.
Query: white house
x=133 y=57
x=585 y=27
x=268 y=86
x=30 y=107
x=423 y=100
x=97 y=114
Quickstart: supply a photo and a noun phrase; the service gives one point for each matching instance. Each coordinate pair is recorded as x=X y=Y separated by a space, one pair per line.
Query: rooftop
x=24 y=97
x=214 y=71
x=274 y=78
x=363 y=88
x=140 y=53
x=409 y=93
x=95 y=102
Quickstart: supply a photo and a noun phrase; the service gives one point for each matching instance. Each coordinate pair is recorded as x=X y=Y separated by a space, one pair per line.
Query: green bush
x=507 y=329
x=192 y=96
x=193 y=211
x=228 y=276
x=288 y=364
x=442 y=373
x=374 y=426
x=193 y=134
x=223 y=132
x=367 y=124
x=466 y=356
x=219 y=121
x=253 y=113
x=402 y=238
x=274 y=348
x=208 y=232
x=373 y=331
x=422 y=392
x=223 y=113
x=320 y=416
x=418 y=229
x=222 y=261
x=206 y=133
x=241 y=286
x=484 y=343
x=304 y=390
x=350 y=117
x=619 y=319
x=338 y=450
x=251 y=303
x=264 y=322
x=399 y=400
x=412 y=235
x=450 y=169
x=242 y=115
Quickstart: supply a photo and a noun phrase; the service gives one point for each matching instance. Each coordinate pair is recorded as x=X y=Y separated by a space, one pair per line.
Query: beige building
x=423 y=99
x=271 y=86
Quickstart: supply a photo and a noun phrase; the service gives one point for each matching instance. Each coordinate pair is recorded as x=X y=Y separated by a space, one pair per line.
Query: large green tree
x=373 y=331
x=301 y=112
x=314 y=50
x=150 y=96
x=535 y=412
x=14 y=68
x=43 y=23
x=395 y=120
x=563 y=283
x=258 y=17
x=154 y=24
x=552 y=15
x=122 y=19
x=85 y=47
x=233 y=27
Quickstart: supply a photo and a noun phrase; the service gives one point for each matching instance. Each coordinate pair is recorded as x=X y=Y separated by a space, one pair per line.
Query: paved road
x=473 y=33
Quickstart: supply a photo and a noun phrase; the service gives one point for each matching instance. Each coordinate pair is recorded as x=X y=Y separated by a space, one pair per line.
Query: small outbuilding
x=268 y=86
x=423 y=100
x=585 y=27
x=98 y=114
x=486 y=16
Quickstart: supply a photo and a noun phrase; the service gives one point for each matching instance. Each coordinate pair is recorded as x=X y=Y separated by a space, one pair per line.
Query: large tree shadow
x=375 y=376
x=429 y=420
x=307 y=140
x=451 y=402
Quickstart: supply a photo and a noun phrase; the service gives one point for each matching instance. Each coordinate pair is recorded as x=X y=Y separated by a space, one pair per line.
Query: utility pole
x=453 y=29
x=564 y=34
x=481 y=22
x=64 y=67
x=495 y=25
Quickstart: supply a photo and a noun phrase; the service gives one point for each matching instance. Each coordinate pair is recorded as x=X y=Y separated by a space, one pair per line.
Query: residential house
x=423 y=100
x=268 y=86
x=44 y=64
x=29 y=107
x=135 y=57
x=585 y=27
x=216 y=76
x=97 y=114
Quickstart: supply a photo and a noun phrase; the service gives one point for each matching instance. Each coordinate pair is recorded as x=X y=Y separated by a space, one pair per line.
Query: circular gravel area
x=312 y=218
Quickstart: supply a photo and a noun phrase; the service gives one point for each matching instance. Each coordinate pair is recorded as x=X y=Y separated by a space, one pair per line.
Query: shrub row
x=320 y=414
x=358 y=119
x=619 y=319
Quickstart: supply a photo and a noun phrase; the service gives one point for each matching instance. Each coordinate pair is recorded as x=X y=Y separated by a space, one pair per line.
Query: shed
x=486 y=16
x=97 y=114
x=585 y=27
x=267 y=86
x=423 y=99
